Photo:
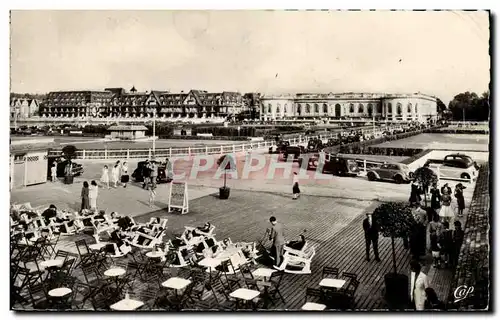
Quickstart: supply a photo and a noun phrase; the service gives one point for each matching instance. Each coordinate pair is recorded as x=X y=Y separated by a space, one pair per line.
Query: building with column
x=347 y=106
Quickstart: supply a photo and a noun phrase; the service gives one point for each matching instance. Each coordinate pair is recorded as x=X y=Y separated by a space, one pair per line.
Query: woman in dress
x=459 y=194
x=85 y=196
x=418 y=283
x=446 y=212
x=295 y=188
x=115 y=174
x=105 y=176
x=415 y=193
x=435 y=198
x=93 y=192
x=125 y=177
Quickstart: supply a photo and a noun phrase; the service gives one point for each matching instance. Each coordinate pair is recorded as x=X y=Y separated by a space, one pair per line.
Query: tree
x=395 y=220
x=226 y=162
x=69 y=152
x=440 y=105
x=470 y=107
x=426 y=177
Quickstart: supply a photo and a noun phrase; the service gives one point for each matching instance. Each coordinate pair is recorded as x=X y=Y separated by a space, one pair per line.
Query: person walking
x=458 y=239
x=459 y=195
x=446 y=212
x=295 y=188
x=115 y=174
x=85 y=196
x=146 y=174
x=371 y=230
x=277 y=236
x=93 y=192
x=53 y=173
x=152 y=194
x=435 y=199
x=153 y=169
x=105 y=176
x=415 y=193
x=446 y=244
x=124 y=172
x=418 y=284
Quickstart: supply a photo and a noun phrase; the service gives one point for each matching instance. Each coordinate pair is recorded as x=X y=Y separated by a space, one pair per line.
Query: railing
x=180 y=152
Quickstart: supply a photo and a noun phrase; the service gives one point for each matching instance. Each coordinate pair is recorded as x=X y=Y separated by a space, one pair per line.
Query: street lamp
x=154 y=130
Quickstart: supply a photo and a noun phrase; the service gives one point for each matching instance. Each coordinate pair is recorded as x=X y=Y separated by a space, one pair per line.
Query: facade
x=23 y=108
x=128 y=132
x=116 y=103
x=391 y=107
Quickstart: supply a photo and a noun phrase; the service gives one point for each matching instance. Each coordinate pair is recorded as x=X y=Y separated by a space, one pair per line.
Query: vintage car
x=314 y=145
x=280 y=147
x=61 y=166
x=455 y=166
x=142 y=170
x=332 y=164
x=294 y=151
x=397 y=172
x=332 y=142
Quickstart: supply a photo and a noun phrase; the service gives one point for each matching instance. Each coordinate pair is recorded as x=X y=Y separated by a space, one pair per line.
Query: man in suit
x=277 y=235
x=418 y=284
x=371 y=236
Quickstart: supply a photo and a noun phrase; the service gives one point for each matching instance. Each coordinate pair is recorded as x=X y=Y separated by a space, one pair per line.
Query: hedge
x=416 y=156
x=205 y=138
x=461 y=131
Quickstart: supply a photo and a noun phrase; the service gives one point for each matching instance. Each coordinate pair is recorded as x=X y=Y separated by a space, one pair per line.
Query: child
x=53 y=173
x=152 y=194
x=445 y=243
x=435 y=248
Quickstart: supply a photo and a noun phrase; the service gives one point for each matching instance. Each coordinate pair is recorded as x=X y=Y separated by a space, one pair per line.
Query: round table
x=114 y=272
x=97 y=246
x=59 y=292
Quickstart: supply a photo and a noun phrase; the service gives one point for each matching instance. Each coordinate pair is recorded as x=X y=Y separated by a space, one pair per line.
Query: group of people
x=119 y=173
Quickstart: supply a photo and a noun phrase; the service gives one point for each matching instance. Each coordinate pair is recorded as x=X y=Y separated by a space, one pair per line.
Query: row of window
x=361 y=108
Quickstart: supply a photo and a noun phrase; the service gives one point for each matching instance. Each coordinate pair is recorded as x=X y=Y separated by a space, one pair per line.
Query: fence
x=180 y=152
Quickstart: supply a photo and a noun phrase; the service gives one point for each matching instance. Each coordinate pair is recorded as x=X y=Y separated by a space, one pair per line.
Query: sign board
x=178 y=198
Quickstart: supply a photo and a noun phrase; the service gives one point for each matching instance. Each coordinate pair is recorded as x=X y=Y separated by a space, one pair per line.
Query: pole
x=154 y=130
x=463 y=115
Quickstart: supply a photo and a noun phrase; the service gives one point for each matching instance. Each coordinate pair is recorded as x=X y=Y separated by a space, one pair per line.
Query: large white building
x=333 y=106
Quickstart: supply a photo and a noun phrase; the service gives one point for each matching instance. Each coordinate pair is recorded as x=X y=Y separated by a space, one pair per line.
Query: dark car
x=294 y=151
x=280 y=147
x=333 y=142
x=335 y=165
x=397 y=172
x=315 y=145
x=143 y=171
x=61 y=166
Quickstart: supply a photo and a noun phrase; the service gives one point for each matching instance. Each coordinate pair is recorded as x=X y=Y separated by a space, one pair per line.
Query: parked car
x=396 y=172
x=294 y=151
x=61 y=166
x=335 y=165
x=142 y=170
x=280 y=147
x=455 y=166
x=314 y=145
x=332 y=142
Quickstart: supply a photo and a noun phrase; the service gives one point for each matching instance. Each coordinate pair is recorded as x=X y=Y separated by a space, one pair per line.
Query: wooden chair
x=178 y=260
x=86 y=256
x=313 y=300
x=230 y=274
x=222 y=298
x=348 y=276
x=330 y=272
x=274 y=289
x=349 y=293
x=38 y=296
x=145 y=241
x=299 y=262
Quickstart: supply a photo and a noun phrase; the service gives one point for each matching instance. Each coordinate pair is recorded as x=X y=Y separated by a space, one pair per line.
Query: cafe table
x=127 y=305
x=266 y=274
x=332 y=283
x=244 y=295
x=176 y=284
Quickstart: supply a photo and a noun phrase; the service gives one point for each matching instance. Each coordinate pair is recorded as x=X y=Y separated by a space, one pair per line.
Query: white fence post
x=258 y=145
x=233 y=149
x=149 y=153
x=206 y=150
x=364 y=165
x=105 y=153
x=128 y=154
x=170 y=152
x=221 y=150
x=83 y=154
x=189 y=151
x=242 y=147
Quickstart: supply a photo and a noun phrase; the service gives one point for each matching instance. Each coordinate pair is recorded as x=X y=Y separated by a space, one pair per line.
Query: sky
x=437 y=53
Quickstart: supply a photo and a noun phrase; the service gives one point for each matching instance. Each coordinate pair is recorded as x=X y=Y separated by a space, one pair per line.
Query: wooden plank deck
x=334 y=227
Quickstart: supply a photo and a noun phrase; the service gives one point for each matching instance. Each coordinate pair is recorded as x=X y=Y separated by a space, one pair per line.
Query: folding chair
x=329 y=272
x=313 y=300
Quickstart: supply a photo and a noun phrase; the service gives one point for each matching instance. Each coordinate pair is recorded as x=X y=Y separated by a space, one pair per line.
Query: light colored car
x=445 y=171
x=397 y=172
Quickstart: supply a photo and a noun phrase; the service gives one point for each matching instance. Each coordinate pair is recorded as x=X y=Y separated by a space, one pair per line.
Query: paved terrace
x=333 y=223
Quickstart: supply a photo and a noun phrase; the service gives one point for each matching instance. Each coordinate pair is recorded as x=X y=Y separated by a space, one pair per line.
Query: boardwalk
x=334 y=227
